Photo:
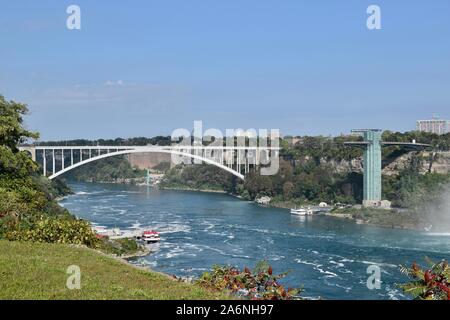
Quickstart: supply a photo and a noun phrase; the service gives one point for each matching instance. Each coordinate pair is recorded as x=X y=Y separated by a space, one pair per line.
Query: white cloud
x=111 y=83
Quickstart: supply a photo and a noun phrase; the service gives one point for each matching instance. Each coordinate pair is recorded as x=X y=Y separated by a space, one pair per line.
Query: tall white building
x=437 y=126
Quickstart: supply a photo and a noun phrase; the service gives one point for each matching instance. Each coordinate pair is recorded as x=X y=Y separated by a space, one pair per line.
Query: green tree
x=24 y=196
x=288 y=189
x=12 y=131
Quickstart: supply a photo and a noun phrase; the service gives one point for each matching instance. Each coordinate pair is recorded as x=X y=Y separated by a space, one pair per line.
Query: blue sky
x=143 y=68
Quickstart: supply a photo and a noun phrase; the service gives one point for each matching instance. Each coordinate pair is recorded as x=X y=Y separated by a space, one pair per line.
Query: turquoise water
x=329 y=257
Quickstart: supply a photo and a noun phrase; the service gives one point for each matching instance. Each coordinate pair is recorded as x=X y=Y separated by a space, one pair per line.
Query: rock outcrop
x=148 y=160
x=436 y=162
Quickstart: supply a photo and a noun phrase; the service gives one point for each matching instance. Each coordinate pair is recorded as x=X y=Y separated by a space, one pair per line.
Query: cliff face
x=437 y=162
x=403 y=162
x=344 y=166
x=430 y=162
x=440 y=163
x=148 y=160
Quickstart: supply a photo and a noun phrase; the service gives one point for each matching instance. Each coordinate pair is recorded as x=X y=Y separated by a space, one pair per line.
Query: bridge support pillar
x=33 y=154
x=44 y=165
x=53 y=161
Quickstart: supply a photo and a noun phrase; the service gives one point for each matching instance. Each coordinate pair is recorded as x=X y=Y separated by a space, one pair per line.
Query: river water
x=328 y=257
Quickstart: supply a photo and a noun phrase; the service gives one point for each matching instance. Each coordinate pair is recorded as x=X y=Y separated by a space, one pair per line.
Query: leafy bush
x=430 y=284
x=119 y=247
x=57 y=231
x=258 y=284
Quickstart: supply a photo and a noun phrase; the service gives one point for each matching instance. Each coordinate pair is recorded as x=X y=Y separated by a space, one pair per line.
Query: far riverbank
x=394 y=218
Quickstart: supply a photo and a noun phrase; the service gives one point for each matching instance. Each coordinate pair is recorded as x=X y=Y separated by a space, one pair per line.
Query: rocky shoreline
x=195 y=190
x=393 y=218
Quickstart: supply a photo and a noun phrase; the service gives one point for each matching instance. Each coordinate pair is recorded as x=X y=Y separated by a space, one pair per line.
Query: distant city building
x=437 y=126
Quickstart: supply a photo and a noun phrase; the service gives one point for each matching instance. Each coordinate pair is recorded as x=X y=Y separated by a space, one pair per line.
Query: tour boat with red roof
x=150 y=236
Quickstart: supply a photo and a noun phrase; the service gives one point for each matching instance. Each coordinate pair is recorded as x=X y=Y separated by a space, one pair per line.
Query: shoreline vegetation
x=196 y=190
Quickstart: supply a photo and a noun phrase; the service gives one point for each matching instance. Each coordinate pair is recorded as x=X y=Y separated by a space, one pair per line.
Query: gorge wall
x=429 y=162
x=438 y=162
x=148 y=160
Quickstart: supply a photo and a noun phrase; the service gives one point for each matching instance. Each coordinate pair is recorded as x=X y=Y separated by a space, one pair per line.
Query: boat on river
x=302 y=211
x=150 y=236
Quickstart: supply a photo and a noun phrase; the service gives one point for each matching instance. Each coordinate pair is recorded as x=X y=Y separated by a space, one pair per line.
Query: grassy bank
x=38 y=271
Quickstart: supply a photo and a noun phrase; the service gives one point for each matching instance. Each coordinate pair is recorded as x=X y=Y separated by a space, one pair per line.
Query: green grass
x=38 y=271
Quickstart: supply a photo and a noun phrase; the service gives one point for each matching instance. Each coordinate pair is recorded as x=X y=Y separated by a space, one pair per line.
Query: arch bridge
x=57 y=160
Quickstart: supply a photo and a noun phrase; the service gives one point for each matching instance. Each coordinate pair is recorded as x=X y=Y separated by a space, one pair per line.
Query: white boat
x=301 y=211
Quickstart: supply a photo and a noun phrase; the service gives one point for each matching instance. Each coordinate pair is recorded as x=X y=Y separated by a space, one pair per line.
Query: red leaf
x=443 y=287
x=428 y=276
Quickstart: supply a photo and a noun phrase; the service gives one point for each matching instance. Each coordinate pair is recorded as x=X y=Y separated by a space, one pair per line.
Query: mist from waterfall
x=437 y=211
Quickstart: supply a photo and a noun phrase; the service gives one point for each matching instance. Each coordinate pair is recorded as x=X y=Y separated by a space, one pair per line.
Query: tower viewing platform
x=372 y=144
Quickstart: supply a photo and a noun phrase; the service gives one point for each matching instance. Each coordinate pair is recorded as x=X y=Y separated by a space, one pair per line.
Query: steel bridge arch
x=149 y=150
